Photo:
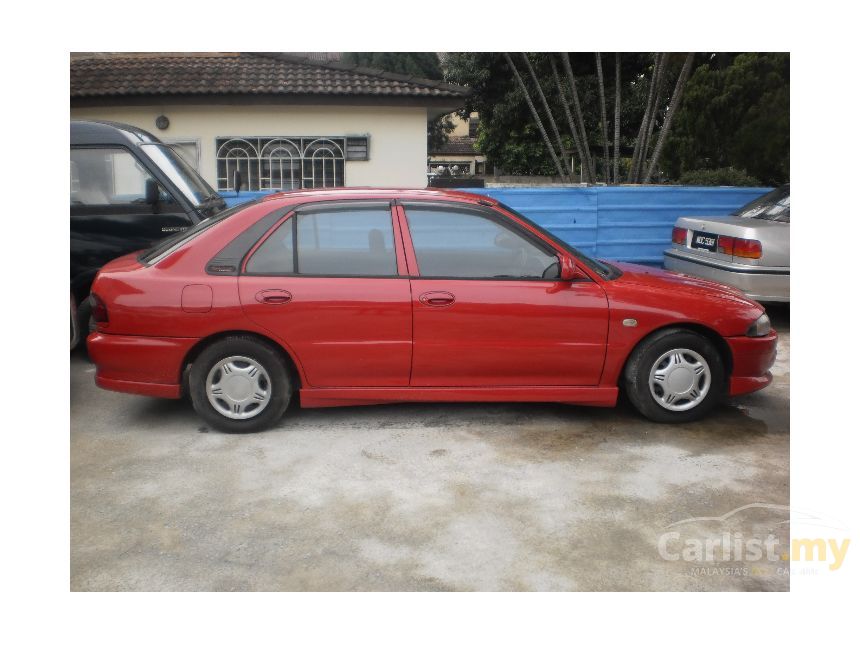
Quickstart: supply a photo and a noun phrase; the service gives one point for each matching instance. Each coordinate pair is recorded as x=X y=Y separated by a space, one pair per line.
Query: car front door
x=489 y=309
x=110 y=215
x=330 y=281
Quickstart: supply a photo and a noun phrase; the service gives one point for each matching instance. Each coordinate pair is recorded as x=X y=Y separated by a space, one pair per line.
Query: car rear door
x=483 y=312
x=330 y=281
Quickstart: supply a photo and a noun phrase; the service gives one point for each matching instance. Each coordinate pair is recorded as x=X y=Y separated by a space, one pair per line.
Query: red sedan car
x=359 y=296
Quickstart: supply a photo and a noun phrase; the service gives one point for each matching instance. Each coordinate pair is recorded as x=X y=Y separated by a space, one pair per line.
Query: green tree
x=735 y=114
x=508 y=135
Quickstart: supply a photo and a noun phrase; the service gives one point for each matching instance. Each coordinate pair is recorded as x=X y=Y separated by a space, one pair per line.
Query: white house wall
x=398 y=135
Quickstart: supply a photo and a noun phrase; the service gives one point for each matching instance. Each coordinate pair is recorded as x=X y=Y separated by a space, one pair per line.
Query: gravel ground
x=422 y=497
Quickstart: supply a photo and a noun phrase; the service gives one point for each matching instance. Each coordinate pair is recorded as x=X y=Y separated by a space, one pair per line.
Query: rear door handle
x=436 y=299
x=273 y=296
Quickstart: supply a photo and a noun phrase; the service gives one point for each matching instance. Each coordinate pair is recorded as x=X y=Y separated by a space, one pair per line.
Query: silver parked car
x=748 y=249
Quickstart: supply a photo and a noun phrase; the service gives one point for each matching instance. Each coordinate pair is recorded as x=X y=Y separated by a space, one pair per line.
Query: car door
x=330 y=281
x=487 y=310
x=109 y=212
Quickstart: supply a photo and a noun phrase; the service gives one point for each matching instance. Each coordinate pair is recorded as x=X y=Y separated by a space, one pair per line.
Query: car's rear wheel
x=240 y=384
x=675 y=375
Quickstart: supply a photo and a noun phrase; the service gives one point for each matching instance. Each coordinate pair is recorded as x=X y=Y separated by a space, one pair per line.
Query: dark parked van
x=128 y=190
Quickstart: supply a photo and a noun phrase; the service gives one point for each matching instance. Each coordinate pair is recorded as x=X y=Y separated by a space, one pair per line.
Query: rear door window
x=351 y=241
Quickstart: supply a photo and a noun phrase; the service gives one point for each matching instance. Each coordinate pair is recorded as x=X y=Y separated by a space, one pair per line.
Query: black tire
x=86 y=324
x=245 y=346
x=638 y=370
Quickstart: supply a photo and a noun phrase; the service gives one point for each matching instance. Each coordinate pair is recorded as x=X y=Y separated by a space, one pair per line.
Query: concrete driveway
x=424 y=497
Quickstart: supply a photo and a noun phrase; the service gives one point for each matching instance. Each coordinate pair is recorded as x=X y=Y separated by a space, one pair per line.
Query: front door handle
x=437 y=299
x=273 y=296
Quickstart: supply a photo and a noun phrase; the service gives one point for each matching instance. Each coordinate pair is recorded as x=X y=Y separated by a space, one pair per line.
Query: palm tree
x=667 y=123
x=632 y=174
x=662 y=75
x=584 y=175
x=565 y=59
x=535 y=115
x=549 y=117
x=603 y=126
x=617 y=116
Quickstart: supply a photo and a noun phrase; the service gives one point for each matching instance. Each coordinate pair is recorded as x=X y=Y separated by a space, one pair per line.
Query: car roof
x=364 y=192
x=107 y=133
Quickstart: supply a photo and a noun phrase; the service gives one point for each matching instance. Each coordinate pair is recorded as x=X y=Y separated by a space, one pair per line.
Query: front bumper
x=765 y=284
x=139 y=364
x=752 y=359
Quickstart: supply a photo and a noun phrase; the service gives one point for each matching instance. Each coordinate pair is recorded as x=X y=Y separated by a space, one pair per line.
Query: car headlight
x=760 y=327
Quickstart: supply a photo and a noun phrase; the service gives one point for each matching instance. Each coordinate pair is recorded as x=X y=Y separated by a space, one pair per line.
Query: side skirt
x=341 y=396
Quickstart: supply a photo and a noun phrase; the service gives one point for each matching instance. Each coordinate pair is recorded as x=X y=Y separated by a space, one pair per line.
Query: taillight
x=739 y=247
x=98 y=309
x=747 y=249
x=679 y=235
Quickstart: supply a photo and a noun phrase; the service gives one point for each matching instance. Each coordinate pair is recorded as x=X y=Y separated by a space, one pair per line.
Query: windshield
x=177 y=238
x=602 y=269
x=774 y=206
x=183 y=176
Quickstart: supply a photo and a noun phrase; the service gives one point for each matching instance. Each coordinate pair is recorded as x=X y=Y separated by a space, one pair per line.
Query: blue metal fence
x=627 y=223
x=232 y=198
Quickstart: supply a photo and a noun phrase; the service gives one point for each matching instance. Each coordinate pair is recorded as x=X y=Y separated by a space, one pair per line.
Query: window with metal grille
x=285 y=163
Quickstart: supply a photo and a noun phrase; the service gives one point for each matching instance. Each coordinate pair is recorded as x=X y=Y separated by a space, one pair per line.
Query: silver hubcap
x=238 y=387
x=680 y=379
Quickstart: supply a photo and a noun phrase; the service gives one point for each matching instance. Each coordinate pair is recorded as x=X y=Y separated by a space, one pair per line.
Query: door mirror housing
x=567 y=268
x=151 y=196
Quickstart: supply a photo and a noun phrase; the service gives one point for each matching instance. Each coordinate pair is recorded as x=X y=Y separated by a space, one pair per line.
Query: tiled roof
x=457 y=146
x=115 y=75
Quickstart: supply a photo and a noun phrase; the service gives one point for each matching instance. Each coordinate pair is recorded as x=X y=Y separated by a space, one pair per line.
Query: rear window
x=775 y=206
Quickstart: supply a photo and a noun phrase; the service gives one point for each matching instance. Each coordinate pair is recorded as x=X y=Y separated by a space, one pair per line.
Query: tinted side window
x=457 y=244
x=106 y=177
x=275 y=255
x=346 y=242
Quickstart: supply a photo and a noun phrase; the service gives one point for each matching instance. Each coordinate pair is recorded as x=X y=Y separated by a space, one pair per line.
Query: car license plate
x=703 y=240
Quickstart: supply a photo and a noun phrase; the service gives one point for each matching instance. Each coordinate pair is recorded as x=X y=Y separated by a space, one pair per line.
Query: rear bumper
x=765 y=284
x=752 y=359
x=139 y=364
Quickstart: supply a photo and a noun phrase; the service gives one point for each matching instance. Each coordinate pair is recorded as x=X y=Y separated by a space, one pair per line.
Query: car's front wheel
x=240 y=384
x=675 y=375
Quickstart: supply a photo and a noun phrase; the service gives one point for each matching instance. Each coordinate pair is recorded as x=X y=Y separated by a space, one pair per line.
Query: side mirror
x=568 y=269
x=151 y=188
x=237 y=181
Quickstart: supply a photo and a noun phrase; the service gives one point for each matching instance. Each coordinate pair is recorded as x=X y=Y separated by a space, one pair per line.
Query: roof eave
x=435 y=105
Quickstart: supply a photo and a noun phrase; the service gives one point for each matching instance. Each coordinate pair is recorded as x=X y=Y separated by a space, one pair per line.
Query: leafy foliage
x=507 y=134
x=438 y=130
x=718 y=177
x=734 y=115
